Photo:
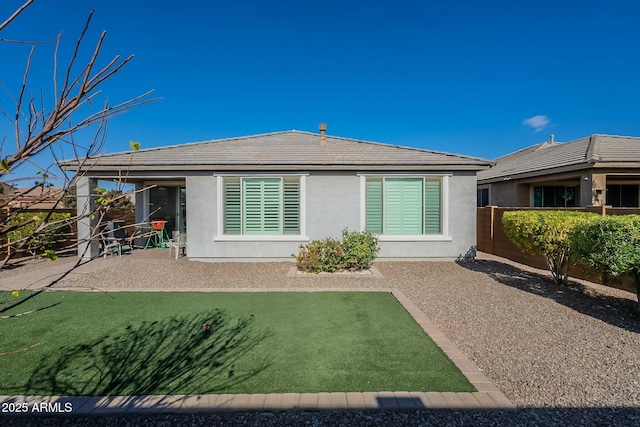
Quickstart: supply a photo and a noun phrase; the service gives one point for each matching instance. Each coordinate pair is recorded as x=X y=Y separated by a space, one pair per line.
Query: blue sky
x=476 y=78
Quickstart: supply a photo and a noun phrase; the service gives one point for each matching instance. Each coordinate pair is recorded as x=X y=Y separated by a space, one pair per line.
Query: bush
x=360 y=248
x=42 y=241
x=545 y=233
x=355 y=251
x=610 y=246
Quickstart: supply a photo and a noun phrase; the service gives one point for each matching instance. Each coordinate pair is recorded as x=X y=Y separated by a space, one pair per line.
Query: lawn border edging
x=487 y=396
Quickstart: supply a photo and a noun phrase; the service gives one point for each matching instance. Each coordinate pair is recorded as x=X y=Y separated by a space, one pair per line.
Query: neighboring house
x=593 y=171
x=260 y=197
x=34 y=198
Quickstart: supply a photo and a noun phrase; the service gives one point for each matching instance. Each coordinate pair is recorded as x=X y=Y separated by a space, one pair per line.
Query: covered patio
x=160 y=212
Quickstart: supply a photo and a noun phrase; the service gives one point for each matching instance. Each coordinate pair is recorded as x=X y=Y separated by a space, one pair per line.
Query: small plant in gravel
x=355 y=251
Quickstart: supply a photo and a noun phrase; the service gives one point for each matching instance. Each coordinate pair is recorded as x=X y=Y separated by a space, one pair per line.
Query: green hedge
x=609 y=246
x=545 y=233
x=43 y=241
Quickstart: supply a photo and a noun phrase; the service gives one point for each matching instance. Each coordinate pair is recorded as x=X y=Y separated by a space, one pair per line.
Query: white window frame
x=221 y=237
x=443 y=237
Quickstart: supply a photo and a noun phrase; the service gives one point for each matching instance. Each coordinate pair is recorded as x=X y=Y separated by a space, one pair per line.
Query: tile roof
x=544 y=158
x=280 y=150
x=31 y=197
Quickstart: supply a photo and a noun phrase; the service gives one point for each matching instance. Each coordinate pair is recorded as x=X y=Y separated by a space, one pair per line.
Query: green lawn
x=153 y=343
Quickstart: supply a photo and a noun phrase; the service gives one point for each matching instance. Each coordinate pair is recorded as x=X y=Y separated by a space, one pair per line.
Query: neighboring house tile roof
x=32 y=197
x=279 y=150
x=551 y=157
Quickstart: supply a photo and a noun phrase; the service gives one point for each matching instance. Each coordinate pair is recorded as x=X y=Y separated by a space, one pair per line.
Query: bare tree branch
x=20 y=351
x=51 y=122
x=25 y=77
x=44 y=129
x=35 y=310
x=15 y=14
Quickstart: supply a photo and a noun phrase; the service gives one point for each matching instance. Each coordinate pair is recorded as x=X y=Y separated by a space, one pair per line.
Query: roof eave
x=615 y=164
x=271 y=167
x=533 y=174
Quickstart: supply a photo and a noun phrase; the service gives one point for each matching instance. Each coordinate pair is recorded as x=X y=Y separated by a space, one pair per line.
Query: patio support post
x=140 y=214
x=86 y=203
x=593 y=187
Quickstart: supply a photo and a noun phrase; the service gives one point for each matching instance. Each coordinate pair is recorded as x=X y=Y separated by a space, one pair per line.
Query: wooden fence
x=67 y=240
x=491 y=239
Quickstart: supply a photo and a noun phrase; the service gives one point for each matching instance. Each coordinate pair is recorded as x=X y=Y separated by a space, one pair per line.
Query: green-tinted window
x=232 y=206
x=291 y=221
x=432 y=206
x=403 y=206
x=261 y=206
x=374 y=205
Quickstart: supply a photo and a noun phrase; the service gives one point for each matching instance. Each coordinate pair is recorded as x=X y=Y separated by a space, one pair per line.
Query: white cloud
x=538 y=123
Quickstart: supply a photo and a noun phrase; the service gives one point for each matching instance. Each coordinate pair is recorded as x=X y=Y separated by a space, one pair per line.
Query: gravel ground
x=564 y=355
x=26 y=265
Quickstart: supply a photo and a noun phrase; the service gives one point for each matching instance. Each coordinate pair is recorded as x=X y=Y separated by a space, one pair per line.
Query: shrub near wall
x=355 y=251
x=43 y=241
x=545 y=233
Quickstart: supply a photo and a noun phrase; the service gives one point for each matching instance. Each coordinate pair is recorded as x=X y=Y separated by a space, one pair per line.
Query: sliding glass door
x=168 y=203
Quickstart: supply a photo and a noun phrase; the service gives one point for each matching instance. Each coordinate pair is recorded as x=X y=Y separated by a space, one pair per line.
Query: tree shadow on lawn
x=179 y=355
x=620 y=312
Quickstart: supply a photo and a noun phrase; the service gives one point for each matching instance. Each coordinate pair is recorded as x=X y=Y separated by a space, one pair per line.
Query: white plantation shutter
x=403 y=204
x=432 y=206
x=373 y=206
x=232 y=206
x=262 y=205
x=291 y=206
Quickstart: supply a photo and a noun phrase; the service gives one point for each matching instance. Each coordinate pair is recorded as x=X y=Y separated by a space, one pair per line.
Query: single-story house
x=259 y=197
x=597 y=170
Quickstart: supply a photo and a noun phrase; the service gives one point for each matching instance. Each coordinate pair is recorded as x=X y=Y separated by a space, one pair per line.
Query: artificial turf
x=133 y=343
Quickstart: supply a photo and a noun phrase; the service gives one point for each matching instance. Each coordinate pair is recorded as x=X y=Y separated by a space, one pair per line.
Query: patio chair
x=114 y=240
x=179 y=241
x=126 y=242
x=140 y=235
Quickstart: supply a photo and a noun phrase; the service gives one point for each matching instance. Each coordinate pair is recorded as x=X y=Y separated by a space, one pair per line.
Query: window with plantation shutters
x=432 y=206
x=373 y=200
x=261 y=206
x=232 y=206
x=291 y=206
x=403 y=206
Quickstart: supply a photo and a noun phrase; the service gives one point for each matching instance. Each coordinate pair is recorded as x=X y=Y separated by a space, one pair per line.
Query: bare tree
x=36 y=128
x=50 y=123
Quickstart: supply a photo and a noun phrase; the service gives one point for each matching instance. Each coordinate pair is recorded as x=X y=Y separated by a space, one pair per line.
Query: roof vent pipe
x=552 y=138
x=323 y=129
